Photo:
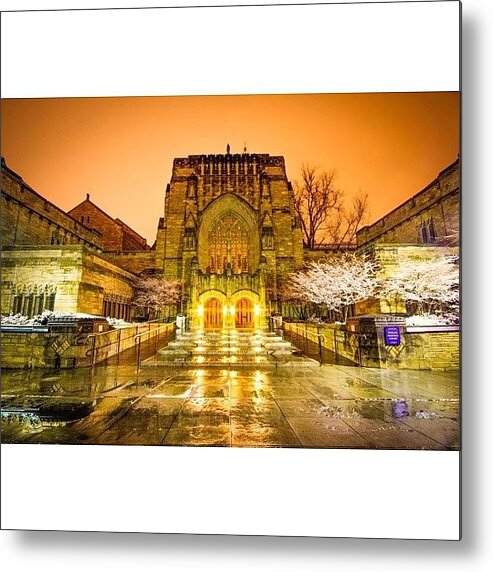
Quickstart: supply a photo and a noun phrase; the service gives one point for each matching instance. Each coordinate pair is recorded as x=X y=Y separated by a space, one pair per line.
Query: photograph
x=255 y=271
x=232 y=272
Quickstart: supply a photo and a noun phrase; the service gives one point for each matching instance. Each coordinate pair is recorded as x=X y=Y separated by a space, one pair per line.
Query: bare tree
x=323 y=215
x=347 y=222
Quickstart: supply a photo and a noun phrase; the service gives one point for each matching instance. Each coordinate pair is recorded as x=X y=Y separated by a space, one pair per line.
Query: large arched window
x=228 y=234
x=228 y=243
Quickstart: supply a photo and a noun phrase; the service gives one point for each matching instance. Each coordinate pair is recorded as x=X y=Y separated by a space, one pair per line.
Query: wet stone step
x=213 y=349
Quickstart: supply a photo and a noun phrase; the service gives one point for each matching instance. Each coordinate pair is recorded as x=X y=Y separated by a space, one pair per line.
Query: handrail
x=119 y=339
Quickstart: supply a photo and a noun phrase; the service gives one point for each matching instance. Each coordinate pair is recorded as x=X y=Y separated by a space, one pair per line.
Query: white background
x=80 y=551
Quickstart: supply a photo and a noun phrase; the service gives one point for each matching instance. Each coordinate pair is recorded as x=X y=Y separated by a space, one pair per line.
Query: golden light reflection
x=258 y=380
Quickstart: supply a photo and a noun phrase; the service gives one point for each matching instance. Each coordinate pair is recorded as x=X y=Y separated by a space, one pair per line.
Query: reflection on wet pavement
x=332 y=406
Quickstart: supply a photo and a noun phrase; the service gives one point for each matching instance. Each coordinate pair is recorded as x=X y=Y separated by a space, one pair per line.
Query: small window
x=432 y=232
x=424 y=234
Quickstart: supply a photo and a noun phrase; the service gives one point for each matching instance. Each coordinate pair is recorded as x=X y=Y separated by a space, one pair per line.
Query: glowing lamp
x=256 y=310
x=200 y=310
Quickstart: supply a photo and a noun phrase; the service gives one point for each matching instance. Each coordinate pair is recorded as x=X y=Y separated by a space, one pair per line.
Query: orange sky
x=120 y=150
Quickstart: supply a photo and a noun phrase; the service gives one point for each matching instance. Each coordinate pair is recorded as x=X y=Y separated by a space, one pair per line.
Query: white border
x=377 y=47
x=285 y=492
x=257 y=49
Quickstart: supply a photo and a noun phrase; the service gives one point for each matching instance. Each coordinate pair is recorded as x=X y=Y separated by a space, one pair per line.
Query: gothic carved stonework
x=244 y=208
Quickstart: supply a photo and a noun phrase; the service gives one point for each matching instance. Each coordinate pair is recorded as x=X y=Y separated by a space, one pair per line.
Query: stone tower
x=229 y=234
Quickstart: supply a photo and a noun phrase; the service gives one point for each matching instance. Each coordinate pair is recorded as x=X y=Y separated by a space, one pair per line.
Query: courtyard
x=328 y=406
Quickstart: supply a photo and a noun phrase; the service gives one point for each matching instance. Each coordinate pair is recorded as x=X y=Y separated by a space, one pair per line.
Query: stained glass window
x=228 y=243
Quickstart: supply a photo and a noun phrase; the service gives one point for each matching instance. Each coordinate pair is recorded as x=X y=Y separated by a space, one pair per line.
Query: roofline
x=56 y=207
x=433 y=182
x=119 y=221
x=94 y=205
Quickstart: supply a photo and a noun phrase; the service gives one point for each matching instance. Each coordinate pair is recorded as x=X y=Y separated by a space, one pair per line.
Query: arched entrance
x=213 y=314
x=244 y=313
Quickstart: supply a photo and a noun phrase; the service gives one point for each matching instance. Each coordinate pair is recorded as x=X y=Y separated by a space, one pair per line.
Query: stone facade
x=388 y=257
x=229 y=234
x=429 y=217
x=63 y=279
x=429 y=349
x=54 y=261
x=116 y=236
x=29 y=219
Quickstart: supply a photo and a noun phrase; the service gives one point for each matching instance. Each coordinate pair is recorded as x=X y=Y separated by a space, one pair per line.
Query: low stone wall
x=432 y=350
x=105 y=345
x=43 y=349
x=421 y=348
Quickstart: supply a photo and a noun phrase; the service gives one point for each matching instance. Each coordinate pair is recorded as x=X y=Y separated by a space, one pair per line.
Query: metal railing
x=311 y=333
x=105 y=345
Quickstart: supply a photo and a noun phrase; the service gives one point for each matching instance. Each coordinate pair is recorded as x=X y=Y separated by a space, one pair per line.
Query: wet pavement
x=330 y=406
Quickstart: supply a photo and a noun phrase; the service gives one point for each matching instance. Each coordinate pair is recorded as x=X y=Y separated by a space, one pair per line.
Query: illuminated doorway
x=244 y=313
x=213 y=314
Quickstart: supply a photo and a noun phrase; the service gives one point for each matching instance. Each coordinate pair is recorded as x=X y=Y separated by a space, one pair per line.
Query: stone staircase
x=229 y=348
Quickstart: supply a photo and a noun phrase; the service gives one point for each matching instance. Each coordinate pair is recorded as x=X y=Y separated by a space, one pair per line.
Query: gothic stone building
x=229 y=234
x=52 y=261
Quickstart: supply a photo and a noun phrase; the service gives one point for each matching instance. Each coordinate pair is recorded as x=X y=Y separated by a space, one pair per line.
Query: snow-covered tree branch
x=337 y=283
x=155 y=294
x=426 y=286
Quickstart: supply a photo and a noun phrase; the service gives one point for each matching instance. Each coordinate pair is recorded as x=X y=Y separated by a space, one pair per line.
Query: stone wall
x=430 y=216
x=251 y=187
x=421 y=348
x=388 y=256
x=100 y=347
x=136 y=262
x=116 y=236
x=42 y=349
x=30 y=219
x=80 y=279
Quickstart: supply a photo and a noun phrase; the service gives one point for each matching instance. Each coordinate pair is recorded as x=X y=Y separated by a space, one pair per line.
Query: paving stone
x=328 y=406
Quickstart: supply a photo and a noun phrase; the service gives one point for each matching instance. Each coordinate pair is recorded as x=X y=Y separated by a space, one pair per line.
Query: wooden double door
x=214 y=314
x=244 y=313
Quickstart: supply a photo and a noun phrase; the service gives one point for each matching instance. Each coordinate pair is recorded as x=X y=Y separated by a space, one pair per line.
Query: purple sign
x=392 y=335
